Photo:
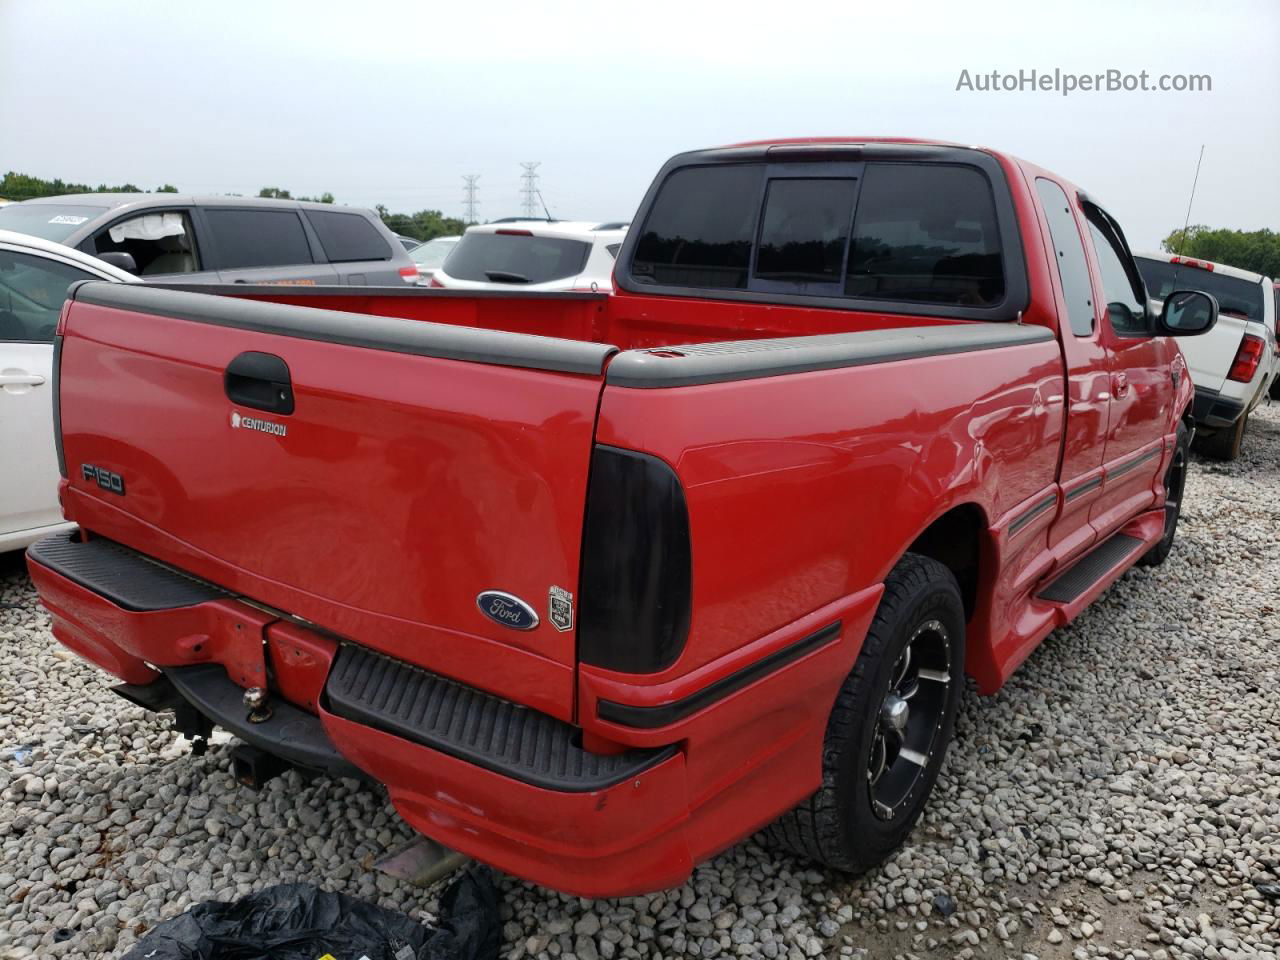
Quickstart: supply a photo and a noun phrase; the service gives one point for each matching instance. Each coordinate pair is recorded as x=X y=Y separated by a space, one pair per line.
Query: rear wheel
x=890 y=727
x=1175 y=482
x=1225 y=444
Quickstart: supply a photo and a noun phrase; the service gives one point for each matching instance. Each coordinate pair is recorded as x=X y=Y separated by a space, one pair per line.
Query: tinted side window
x=1126 y=307
x=258 y=238
x=347 y=237
x=805 y=231
x=1073 y=268
x=31 y=293
x=700 y=229
x=926 y=233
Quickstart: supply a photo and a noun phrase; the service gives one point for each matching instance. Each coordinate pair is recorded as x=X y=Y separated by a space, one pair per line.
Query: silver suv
x=171 y=237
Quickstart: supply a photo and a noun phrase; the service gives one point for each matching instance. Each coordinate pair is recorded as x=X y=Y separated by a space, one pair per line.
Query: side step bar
x=1084 y=573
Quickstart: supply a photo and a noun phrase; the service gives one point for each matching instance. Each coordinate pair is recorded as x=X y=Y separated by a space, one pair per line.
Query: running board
x=1085 y=573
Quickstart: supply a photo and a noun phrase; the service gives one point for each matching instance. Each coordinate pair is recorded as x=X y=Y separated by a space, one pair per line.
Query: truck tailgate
x=422 y=465
x=1209 y=356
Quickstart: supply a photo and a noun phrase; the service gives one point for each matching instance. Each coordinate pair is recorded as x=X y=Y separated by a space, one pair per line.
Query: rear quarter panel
x=806 y=488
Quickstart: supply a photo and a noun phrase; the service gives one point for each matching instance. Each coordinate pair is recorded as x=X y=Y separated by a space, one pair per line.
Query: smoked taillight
x=1248 y=356
x=635 y=585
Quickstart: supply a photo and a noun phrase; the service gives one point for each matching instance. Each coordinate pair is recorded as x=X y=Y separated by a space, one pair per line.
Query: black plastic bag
x=295 y=921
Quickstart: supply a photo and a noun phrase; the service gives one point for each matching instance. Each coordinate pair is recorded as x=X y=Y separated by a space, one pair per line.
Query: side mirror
x=1188 y=313
x=120 y=259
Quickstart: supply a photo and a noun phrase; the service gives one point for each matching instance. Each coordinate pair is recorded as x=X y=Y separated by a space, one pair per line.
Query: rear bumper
x=498 y=781
x=1214 y=411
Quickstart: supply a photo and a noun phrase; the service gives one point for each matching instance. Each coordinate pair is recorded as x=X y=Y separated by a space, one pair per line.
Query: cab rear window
x=1240 y=298
x=922 y=233
x=516 y=257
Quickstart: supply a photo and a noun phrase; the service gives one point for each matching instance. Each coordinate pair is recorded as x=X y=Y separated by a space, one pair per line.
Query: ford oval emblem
x=508 y=610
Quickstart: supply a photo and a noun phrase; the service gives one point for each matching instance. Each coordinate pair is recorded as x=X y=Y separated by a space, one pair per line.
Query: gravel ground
x=1120 y=798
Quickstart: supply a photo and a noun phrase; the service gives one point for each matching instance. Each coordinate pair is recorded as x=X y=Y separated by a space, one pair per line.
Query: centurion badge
x=560 y=609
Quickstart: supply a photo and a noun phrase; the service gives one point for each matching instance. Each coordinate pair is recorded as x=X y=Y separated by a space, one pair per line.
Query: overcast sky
x=391 y=102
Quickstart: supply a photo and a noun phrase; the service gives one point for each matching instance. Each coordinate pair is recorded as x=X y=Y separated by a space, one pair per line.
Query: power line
x=530 y=189
x=469 y=196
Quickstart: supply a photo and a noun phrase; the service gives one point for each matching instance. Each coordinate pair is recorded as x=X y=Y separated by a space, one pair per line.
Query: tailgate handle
x=260 y=381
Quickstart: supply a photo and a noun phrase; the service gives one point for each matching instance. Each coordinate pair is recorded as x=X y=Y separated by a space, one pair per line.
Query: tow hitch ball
x=255 y=701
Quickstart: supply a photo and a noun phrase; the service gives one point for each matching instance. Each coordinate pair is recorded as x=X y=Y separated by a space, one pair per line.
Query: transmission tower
x=469 y=200
x=530 y=188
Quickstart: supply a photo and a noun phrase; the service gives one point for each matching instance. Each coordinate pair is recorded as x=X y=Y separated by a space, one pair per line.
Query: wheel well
x=955 y=541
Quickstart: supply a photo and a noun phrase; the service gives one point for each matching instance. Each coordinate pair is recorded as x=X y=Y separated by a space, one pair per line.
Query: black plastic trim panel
x=1213 y=410
x=352 y=329
x=1090 y=570
x=683 y=366
x=123 y=576
x=504 y=737
x=647 y=718
x=55 y=389
x=289 y=733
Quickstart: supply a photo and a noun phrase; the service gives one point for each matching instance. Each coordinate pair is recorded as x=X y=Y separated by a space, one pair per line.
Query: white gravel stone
x=1123 y=789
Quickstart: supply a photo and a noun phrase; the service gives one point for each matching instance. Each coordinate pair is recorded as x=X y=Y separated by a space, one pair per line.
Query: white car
x=1234 y=364
x=541 y=255
x=430 y=256
x=34 y=276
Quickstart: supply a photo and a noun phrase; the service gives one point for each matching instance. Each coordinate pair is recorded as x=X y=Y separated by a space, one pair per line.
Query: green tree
x=422 y=225
x=1256 y=250
x=22 y=186
x=274 y=193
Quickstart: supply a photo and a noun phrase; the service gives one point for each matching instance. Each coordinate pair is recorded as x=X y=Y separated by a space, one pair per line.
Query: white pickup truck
x=1235 y=363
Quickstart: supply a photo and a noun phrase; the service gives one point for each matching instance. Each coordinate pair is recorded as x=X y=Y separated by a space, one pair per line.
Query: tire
x=1175 y=482
x=857 y=819
x=1225 y=444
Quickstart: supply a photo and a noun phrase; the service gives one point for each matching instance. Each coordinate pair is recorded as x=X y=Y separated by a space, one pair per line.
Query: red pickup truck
x=599 y=585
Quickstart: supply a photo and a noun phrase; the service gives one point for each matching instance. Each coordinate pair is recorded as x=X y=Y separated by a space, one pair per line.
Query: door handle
x=1119 y=385
x=260 y=381
x=20 y=378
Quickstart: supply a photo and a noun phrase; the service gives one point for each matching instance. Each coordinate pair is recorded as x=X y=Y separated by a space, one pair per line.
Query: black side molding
x=1134 y=463
x=1026 y=516
x=647 y=718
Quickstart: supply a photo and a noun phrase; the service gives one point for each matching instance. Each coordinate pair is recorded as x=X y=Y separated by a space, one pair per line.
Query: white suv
x=1234 y=364
x=533 y=255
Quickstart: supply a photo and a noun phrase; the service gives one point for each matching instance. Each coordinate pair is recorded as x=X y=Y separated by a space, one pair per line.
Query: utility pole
x=530 y=188
x=469 y=195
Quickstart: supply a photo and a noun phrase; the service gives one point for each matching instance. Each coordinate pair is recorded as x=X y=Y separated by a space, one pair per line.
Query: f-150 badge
x=560 y=608
x=507 y=609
